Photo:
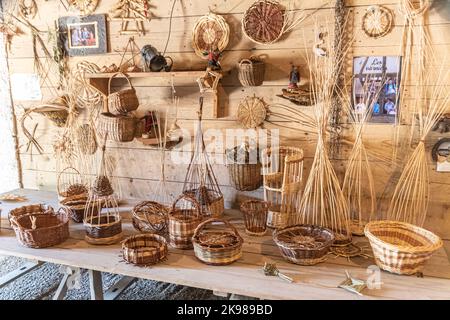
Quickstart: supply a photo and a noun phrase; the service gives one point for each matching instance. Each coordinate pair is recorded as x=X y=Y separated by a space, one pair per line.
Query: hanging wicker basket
x=244 y=176
x=30 y=209
x=144 y=249
x=217 y=246
x=401 y=247
x=183 y=222
x=255 y=217
x=119 y=128
x=211 y=201
x=211 y=32
x=150 y=217
x=122 y=101
x=251 y=72
x=103 y=230
x=304 y=244
x=41 y=230
x=70 y=183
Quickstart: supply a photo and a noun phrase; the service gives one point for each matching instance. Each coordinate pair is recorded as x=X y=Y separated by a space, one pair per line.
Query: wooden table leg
x=62 y=288
x=116 y=289
x=19 y=272
x=96 y=284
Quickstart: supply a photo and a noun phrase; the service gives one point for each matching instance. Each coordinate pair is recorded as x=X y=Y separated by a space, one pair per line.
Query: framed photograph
x=378 y=77
x=83 y=36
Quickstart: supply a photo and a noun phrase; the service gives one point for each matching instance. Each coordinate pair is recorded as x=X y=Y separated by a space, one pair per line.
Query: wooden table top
x=244 y=277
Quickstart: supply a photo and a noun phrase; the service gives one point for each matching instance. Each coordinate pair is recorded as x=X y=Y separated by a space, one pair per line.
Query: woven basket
x=277 y=219
x=245 y=176
x=103 y=230
x=30 y=209
x=76 y=206
x=120 y=128
x=255 y=217
x=150 y=217
x=217 y=247
x=183 y=222
x=304 y=244
x=123 y=101
x=211 y=202
x=144 y=249
x=41 y=230
x=401 y=247
x=251 y=72
x=73 y=185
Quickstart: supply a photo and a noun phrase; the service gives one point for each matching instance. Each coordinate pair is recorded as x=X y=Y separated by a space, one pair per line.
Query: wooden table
x=244 y=277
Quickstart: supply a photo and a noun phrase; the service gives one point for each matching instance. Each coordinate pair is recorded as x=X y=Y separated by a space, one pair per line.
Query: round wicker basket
x=255 y=217
x=183 y=220
x=30 y=209
x=70 y=183
x=103 y=230
x=76 y=206
x=304 y=244
x=217 y=246
x=144 y=249
x=123 y=101
x=211 y=32
x=251 y=112
x=401 y=247
x=150 y=217
x=120 y=128
x=377 y=21
x=244 y=175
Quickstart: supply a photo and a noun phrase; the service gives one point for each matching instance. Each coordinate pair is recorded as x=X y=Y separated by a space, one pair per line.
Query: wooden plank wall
x=137 y=166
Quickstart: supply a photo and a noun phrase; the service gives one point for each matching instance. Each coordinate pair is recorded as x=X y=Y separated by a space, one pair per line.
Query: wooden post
x=96 y=285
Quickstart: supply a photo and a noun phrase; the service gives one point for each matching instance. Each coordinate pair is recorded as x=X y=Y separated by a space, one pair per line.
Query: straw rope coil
x=211 y=32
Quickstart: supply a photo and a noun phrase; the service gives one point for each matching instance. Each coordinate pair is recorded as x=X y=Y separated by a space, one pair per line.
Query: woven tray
x=144 y=249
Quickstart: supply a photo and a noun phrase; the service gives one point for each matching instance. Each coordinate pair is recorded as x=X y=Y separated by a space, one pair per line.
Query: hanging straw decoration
x=200 y=182
x=323 y=203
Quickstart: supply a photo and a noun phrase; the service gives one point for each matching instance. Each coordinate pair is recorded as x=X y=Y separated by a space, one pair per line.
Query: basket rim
x=437 y=241
x=151 y=236
x=283 y=244
x=118 y=220
x=226 y=224
x=64 y=220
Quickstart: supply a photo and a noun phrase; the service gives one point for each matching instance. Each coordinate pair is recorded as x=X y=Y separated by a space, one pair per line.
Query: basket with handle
x=217 y=246
x=37 y=230
x=183 y=221
x=251 y=72
x=70 y=183
x=144 y=249
x=122 y=101
x=400 y=247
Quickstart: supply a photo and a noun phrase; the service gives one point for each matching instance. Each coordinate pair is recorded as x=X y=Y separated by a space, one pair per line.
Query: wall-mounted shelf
x=154 y=142
x=100 y=82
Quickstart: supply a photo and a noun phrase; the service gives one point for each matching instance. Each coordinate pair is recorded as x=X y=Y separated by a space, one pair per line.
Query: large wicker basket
x=30 y=209
x=217 y=246
x=251 y=72
x=244 y=175
x=120 y=128
x=401 y=247
x=103 y=230
x=36 y=230
x=122 y=101
x=304 y=244
x=144 y=249
x=183 y=222
x=150 y=217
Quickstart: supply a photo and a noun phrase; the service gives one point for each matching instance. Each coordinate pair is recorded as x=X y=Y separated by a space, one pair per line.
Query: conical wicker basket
x=401 y=247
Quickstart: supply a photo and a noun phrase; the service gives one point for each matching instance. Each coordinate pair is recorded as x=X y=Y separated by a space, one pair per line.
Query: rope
x=170 y=26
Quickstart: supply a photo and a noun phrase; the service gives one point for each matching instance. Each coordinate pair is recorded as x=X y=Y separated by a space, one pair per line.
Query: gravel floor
x=42 y=282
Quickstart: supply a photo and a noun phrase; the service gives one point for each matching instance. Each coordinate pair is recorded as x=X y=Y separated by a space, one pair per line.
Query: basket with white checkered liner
x=401 y=247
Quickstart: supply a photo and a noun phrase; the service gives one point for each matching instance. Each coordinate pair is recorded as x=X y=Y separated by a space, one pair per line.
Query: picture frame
x=82 y=36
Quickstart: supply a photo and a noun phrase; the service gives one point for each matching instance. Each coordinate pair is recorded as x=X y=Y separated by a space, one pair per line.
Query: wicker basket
x=255 y=217
x=217 y=247
x=251 y=72
x=150 y=217
x=245 y=176
x=120 y=128
x=103 y=230
x=211 y=201
x=70 y=183
x=76 y=206
x=183 y=222
x=123 y=101
x=36 y=230
x=401 y=247
x=30 y=209
x=144 y=249
x=304 y=244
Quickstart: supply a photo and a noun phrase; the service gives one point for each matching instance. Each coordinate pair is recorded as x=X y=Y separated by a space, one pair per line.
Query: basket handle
x=192 y=200
x=246 y=61
x=59 y=177
x=115 y=74
x=202 y=226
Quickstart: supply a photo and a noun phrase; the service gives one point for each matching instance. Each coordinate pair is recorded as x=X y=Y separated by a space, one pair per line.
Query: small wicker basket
x=217 y=247
x=304 y=244
x=30 y=209
x=144 y=249
x=70 y=183
x=76 y=206
x=183 y=222
x=255 y=217
x=211 y=201
x=123 y=101
x=150 y=217
x=251 y=72
x=120 y=128
x=401 y=247
x=36 y=230
x=103 y=230
x=244 y=175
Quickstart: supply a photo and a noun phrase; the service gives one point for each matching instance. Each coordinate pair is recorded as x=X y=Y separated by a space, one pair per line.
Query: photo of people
x=83 y=35
x=376 y=79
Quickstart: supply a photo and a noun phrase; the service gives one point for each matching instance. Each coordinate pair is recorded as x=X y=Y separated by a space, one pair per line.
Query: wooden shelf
x=154 y=142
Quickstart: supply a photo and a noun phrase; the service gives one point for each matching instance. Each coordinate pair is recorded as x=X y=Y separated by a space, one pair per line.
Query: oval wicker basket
x=120 y=128
x=35 y=230
x=251 y=72
x=31 y=209
x=150 y=217
x=76 y=206
x=122 y=101
x=103 y=230
x=304 y=244
x=217 y=247
x=401 y=247
x=244 y=176
x=144 y=249
x=183 y=222
x=255 y=217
